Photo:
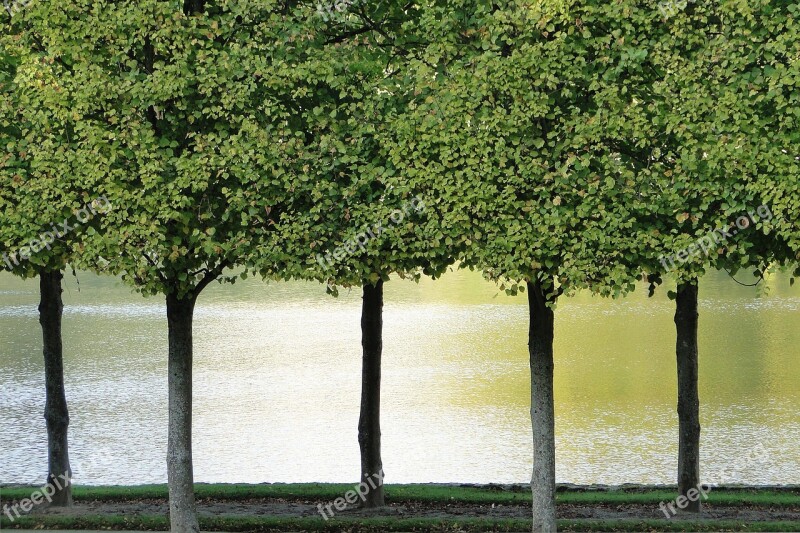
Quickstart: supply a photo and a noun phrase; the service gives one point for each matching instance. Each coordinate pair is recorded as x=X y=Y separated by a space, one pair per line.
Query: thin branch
x=760 y=279
x=154 y=265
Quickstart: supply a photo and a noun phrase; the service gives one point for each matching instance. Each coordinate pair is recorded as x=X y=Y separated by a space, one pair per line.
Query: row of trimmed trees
x=556 y=147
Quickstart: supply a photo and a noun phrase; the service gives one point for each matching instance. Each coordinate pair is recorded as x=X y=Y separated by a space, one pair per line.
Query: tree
x=183 y=119
x=44 y=215
x=704 y=214
x=520 y=123
x=360 y=223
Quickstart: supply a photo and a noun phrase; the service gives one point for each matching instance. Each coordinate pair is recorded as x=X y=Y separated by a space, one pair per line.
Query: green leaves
x=181 y=121
x=578 y=142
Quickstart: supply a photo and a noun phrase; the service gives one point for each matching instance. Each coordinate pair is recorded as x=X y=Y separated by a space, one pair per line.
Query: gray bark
x=686 y=320
x=543 y=480
x=56 y=414
x=182 y=506
x=369 y=423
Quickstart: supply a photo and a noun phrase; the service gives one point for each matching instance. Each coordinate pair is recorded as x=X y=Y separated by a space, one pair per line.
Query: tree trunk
x=543 y=481
x=369 y=423
x=686 y=317
x=182 y=507
x=56 y=414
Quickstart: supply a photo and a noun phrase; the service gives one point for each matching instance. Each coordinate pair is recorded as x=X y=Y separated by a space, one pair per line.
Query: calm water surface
x=277 y=378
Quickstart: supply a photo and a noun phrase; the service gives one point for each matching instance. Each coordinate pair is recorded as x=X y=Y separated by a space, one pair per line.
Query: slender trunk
x=56 y=414
x=369 y=423
x=686 y=317
x=182 y=507
x=543 y=481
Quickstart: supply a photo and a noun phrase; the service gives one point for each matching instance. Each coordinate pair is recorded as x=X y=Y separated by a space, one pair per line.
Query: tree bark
x=369 y=423
x=686 y=318
x=543 y=481
x=56 y=414
x=182 y=506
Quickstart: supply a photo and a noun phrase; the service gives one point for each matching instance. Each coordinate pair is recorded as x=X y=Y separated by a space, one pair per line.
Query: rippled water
x=277 y=377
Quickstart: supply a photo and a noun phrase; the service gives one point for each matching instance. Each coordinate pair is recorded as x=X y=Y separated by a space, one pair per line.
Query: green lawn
x=421 y=493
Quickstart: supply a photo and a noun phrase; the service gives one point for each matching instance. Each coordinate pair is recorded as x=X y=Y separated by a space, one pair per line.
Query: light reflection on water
x=277 y=376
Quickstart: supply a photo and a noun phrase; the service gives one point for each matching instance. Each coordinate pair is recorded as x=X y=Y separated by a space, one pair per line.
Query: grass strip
x=414 y=493
x=380 y=524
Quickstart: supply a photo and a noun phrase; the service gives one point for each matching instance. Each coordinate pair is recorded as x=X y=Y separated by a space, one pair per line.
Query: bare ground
x=303 y=509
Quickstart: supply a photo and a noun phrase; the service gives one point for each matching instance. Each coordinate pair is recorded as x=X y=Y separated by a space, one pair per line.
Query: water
x=277 y=378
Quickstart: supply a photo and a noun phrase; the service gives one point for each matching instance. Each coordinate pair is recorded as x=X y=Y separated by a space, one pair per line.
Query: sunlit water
x=277 y=379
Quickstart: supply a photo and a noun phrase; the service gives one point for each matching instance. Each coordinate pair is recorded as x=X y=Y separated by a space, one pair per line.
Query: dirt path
x=300 y=509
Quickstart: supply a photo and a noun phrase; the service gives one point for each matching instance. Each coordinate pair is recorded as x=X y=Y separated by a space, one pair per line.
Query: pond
x=277 y=382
